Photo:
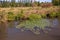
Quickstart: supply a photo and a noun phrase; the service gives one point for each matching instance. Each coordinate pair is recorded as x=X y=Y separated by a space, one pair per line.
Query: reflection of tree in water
x=3 y=23
x=3 y=31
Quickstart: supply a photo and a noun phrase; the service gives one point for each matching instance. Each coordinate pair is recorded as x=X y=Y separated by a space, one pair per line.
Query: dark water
x=9 y=32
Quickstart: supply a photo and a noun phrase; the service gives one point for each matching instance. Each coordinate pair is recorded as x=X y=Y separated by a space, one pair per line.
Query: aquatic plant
x=30 y=24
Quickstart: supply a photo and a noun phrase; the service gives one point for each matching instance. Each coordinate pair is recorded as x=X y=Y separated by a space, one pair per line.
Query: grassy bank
x=23 y=13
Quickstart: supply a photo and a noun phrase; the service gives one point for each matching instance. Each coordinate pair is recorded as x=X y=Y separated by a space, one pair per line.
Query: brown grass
x=38 y=10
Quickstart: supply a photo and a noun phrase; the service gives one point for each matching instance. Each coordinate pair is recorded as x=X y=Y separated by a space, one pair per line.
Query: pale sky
x=41 y=0
x=45 y=0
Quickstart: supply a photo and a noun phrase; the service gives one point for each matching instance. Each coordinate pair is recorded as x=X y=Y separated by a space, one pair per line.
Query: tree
x=27 y=4
x=13 y=4
x=35 y=3
x=38 y=3
x=56 y=2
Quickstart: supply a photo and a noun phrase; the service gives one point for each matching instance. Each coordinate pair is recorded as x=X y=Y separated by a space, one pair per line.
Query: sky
x=44 y=0
x=41 y=0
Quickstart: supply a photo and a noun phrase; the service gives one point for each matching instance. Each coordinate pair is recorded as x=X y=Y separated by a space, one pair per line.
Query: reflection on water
x=3 y=31
x=55 y=23
x=37 y=25
x=9 y=32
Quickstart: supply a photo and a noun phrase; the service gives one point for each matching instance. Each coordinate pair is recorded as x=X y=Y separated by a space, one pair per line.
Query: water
x=9 y=32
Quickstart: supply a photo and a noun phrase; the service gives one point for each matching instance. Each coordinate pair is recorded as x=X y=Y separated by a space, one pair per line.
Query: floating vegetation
x=34 y=25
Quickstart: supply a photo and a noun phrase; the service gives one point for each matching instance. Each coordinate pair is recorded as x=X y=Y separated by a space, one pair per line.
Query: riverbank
x=18 y=13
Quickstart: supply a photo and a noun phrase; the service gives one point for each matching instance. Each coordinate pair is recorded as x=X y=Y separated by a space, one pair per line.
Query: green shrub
x=58 y=14
x=10 y=16
x=34 y=16
x=53 y=14
x=19 y=15
x=43 y=15
x=21 y=11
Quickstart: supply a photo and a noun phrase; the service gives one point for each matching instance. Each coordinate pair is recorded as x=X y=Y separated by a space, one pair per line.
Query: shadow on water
x=9 y=32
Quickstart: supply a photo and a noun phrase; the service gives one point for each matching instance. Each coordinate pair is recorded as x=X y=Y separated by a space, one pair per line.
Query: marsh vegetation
x=30 y=20
x=18 y=20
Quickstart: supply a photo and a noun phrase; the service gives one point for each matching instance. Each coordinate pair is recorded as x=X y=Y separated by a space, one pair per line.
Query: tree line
x=26 y=4
x=18 y=4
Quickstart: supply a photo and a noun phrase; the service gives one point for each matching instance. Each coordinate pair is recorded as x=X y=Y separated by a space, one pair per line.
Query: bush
x=43 y=15
x=53 y=14
x=10 y=16
x=21 y=11
x=34 y=16
x=19 y=15
x=58 y=14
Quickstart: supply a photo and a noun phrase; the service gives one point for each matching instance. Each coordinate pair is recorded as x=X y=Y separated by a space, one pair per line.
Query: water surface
x=10 y=32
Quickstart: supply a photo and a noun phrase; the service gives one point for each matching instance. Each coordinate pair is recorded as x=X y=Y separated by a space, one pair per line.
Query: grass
x=27 y=12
